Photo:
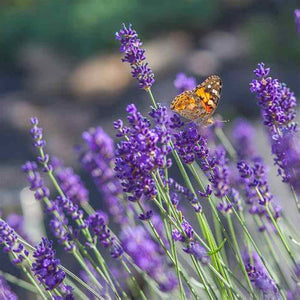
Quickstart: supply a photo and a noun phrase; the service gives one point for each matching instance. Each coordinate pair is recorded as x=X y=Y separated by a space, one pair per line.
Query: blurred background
x=59 y=61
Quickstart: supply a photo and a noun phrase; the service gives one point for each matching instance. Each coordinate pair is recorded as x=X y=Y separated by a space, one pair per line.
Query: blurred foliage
x=85 y=27
x=273 y=37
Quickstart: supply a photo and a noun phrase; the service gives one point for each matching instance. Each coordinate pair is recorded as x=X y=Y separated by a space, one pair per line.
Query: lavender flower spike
x=46 y=268
x=134 y=55
x=9 y=239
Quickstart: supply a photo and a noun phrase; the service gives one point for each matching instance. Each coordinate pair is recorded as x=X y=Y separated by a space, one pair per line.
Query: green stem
x=285 y=244
x=226 y=142
x=202 y=277
x=19 y=282
x=157 y=236
x=136 y=285
x=241 y=263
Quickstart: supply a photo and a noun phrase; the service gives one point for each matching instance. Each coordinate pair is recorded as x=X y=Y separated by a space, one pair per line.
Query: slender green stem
x=136 y=285
x=19 y=282
x=202 y=277
x=282 y=238
x=241 y=263
x=226 y=142
x=156 y=234
x=271 y=249
x=152 y=98
x=80 y=281
x=297 y=201
x=31 y=278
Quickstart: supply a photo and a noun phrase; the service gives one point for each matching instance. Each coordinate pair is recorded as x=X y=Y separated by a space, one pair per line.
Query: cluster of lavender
x=278 y=104
x=161 y=244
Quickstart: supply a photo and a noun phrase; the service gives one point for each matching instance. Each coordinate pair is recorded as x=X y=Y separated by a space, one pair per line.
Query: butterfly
x=199 y=104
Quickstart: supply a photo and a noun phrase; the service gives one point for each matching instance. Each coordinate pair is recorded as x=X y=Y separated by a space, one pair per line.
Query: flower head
x=276 y=100
x=183 y=83
x=143 y=151
x=35 y=180
x=46 y=267
x=134 y=54
x=9 y=239
x=97 y=158
x=70 y=183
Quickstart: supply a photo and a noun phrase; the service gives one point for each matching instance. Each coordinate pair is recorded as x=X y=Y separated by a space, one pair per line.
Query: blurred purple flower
x=131 y=46
x=183 y=83
x=259 y=276
x=297 y=19
x=219 y=176
x=5 y=292
x=146 y=254
x=195 y=249
x=70 y=183
x=16 y=222
x=243 y=135
x=97 y=159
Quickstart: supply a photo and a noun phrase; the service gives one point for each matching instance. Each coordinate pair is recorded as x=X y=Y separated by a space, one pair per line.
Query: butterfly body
x=199 y=104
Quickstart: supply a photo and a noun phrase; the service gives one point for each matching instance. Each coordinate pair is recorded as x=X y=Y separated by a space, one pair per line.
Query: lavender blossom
x=9 y=239
x=97 y=223
x=243 y=135
x=16 y=222
x=143 y=151
x=5 y=290
x=135 y=56
x=97 y=159
x=146 y=255
x=276 y=100
x=277 y=104
x=35 y=180
x=46 y=266
x=297 y=19
x=259 y=276
x=71 y=183
x=256 y=187
x=183 y=83
x=39 y=143
x=219 y=176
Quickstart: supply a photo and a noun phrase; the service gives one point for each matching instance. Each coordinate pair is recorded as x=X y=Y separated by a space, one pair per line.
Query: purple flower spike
x=9 y=239
x=131 y=47
x=46 y=267
x=243 y=139
x=97 y=158
x=278 y=104
x=183 y=83
x=70 y=183
x=144 y=151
